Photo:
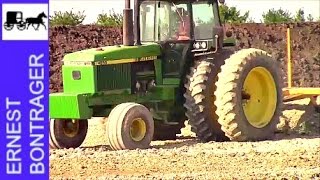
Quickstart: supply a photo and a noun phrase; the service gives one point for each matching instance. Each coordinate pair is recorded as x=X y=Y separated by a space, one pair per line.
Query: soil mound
x=271 y=38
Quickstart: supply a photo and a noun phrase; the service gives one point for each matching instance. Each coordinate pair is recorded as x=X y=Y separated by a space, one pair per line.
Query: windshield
x=161 y=20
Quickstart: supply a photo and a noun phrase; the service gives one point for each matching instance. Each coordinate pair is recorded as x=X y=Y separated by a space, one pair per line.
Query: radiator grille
x=112 y=77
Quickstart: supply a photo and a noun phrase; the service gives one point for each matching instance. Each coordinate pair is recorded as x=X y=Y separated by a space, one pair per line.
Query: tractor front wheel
x=67 y=133
x=130 y=126
x=249 y=96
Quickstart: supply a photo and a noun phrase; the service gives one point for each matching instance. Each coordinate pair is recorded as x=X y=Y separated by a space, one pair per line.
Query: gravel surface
x=294 y=154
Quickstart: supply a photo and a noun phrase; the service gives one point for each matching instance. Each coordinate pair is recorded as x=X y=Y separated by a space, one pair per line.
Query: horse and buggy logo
x=16 y=18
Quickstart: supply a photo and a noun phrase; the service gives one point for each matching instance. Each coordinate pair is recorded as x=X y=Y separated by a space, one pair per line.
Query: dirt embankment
x=305 y=47
x=272 y=38
x=294 y=154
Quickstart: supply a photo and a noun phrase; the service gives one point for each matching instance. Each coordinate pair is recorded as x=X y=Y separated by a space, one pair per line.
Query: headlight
x=197 y=45
x=203 y=45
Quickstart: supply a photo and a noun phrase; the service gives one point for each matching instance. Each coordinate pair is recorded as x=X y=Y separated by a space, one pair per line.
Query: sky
x=256 y=7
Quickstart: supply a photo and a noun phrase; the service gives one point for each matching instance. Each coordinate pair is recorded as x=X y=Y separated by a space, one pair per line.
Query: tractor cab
x=179 y=20
x=183 y=28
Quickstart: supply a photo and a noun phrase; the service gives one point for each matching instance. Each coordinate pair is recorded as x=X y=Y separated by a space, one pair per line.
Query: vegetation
x=276 y=16
x=228 y=14
x=232 y=15
x=300 y=16
x=110 y=20
x=282 y=16
x=67 y=18
x=310 y=18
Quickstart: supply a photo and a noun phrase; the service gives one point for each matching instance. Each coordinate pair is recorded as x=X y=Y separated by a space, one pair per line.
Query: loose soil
x=294 y=154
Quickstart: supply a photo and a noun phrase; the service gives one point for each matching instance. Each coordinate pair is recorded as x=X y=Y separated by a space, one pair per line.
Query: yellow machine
x=295 y=93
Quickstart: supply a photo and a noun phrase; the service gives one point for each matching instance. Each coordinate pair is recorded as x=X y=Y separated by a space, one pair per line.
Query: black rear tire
x=200 y=101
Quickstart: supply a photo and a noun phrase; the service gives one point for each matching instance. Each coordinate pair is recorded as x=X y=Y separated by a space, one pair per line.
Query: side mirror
x=221 y=1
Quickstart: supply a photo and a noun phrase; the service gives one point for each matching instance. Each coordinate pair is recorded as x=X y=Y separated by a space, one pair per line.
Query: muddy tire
x=67 y=134
x=249 y=96
x=200 y=102
x=130 y=126
x=188 y=104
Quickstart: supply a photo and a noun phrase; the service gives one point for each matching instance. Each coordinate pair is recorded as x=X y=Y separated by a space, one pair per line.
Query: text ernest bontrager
x=14 y=126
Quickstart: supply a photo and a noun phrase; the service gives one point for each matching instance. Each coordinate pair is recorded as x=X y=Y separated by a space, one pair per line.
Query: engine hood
x=114 y=53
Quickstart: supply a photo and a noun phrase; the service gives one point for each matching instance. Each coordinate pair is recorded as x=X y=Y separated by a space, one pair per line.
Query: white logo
x=25 y=21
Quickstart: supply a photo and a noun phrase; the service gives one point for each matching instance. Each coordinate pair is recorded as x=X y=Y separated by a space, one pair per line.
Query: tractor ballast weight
x=177 y=66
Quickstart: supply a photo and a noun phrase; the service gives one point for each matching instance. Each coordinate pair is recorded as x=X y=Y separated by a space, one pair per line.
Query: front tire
x=130 y=126
x=66 y=133
x=249 y=96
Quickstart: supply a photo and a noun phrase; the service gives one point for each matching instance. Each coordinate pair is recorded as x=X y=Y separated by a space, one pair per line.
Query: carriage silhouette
x=16 y=18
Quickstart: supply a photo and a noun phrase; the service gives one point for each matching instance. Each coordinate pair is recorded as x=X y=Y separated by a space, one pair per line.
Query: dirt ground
x=294 y=154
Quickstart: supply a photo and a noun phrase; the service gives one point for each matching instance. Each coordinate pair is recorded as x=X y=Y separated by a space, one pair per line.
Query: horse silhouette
x=38 y=20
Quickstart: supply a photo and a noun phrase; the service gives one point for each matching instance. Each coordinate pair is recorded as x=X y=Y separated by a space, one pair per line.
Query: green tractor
x=176 y=63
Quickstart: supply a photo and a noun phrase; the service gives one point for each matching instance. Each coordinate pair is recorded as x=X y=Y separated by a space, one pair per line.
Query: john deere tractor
x=176 y=63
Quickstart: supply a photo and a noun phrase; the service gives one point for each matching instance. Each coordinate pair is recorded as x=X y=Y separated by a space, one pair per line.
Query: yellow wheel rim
x=138 y=129
x=259 y=97
x=71 y=128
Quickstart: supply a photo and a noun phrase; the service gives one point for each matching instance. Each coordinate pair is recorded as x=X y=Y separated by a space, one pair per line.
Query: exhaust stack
x=128 y=36
x=137 y=20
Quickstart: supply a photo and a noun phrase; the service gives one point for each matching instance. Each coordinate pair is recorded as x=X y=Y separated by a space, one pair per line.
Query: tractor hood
x=110 y=54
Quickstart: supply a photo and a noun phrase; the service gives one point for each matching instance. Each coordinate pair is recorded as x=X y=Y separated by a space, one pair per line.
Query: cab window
x=204 y=20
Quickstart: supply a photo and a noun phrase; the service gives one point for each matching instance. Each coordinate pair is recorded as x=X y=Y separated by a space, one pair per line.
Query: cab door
x=177 y=48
